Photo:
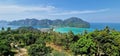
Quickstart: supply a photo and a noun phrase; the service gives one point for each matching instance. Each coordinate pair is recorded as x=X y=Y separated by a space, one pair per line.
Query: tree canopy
x=97 y=43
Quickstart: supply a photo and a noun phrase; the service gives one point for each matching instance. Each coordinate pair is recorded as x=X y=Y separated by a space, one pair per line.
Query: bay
x=75 y=30
x=93 y=26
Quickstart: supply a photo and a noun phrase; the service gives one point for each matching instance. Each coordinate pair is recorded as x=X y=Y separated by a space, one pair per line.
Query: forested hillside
x=99 y=42
x=70 y=22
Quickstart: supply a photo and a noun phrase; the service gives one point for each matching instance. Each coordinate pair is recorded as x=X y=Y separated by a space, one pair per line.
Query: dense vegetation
x=99 y=42
x=71 y=22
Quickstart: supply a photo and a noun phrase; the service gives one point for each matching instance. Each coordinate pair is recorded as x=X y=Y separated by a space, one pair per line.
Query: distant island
x=70 y=22
x=2 y=22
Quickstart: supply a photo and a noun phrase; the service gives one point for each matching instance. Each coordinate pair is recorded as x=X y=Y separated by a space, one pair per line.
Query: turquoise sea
x=93 y=26
x=75 y=30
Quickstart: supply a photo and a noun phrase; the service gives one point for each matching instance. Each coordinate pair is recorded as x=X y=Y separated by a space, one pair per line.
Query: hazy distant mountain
x=26 y=22
x=70 y=22
x=3 y=22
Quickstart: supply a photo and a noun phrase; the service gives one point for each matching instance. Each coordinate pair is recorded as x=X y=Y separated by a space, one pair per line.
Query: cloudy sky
x=89 y=10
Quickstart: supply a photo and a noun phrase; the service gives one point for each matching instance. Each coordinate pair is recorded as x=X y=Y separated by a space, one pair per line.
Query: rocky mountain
x=70 y=22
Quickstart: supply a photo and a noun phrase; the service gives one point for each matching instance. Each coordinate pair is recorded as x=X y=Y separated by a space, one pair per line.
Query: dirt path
x=22 y=52
x=55 y=47
x=58 y=48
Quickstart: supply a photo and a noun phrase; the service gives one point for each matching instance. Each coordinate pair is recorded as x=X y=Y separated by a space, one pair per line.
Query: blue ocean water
x=75 y=30
x=93 y=26
x=6 y=26
x=100 y=26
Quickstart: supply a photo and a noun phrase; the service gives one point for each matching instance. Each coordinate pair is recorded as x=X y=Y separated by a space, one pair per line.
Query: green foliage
x=4 y=48
x=83 y=46
x=39 y=50
x=8 y=29
x=3 y=29
x=68 y=40
x=56 y=53
x=104 y=41
x=21 y=37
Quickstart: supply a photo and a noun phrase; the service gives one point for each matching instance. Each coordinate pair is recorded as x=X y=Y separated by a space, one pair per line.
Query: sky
x=88 y=10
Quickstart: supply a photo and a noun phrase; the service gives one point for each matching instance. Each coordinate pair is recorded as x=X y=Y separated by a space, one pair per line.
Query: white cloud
x=80 y=12
x=15 y=9
x=15 y=12
x=10 y=9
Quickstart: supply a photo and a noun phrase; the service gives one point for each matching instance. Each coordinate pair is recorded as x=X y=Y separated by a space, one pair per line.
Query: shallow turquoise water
x=73 y=29
x=93 y=26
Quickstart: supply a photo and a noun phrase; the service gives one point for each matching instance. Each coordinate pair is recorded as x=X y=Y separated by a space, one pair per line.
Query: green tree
x=3 y=28
x=68 y=40
x=9 y=29
x=107 y=29
x=5 y=48
x=83 y=46
x=39 y=50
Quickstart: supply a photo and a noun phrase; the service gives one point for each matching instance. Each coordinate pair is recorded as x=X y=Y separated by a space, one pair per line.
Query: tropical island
x=30 y=41
x=70 y=22
x=27 y=40
x=59 y=27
